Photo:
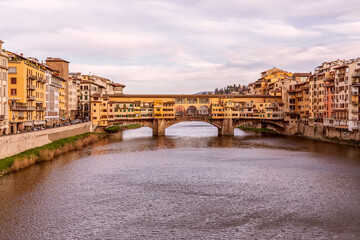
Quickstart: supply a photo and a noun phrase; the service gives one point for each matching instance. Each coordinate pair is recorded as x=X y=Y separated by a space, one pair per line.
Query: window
x=13 y=80
x=13 y=92
x=12 y=70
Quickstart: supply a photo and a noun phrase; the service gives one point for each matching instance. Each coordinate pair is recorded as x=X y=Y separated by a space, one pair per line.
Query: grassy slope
x=55 y=148
x=117 y=128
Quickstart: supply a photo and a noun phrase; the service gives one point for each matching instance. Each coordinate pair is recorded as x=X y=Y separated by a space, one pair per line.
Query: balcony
x=28 y=123
x=31 y=98
x=32 y=77
x=22 y=108
x=31 y=87
x=356 y=75
x=40 y=109
x=355 y=83
x=39 y=122
x=355 y=111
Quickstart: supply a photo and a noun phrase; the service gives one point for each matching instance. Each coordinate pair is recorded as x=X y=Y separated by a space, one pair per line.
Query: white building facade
x=4 y=120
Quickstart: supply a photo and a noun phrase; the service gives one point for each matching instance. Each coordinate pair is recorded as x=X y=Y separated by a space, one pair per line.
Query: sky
x=182 y=46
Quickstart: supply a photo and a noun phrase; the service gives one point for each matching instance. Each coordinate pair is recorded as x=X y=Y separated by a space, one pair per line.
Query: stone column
x=158 y=127
x=227 y=128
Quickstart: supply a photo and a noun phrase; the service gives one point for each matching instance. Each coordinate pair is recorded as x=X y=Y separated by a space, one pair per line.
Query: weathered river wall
x=316 y=131
x=321 y=132
x=14 y=144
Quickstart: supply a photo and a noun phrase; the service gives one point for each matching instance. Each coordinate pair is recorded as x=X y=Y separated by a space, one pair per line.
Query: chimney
x=21 y=54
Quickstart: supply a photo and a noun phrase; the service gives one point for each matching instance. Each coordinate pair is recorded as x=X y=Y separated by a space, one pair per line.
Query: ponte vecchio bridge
x=161 y=111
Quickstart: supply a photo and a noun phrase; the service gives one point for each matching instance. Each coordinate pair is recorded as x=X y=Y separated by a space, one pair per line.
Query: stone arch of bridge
x=215 y=124
x=270 y=123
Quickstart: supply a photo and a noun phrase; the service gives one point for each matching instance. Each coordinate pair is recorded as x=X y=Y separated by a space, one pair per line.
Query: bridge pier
x=158 y=127
x=227 y=128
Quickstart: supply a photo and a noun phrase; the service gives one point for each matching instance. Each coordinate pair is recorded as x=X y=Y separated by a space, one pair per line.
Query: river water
x=190 y=184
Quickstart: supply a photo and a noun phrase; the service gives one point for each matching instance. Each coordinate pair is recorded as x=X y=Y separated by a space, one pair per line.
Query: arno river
x=190 y=184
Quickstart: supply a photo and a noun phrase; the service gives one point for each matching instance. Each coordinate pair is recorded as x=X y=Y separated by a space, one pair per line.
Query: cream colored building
x=347 y=95
x=4 y=119
x=92 y=84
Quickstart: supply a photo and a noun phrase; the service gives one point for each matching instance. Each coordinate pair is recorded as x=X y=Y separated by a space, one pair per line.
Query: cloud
x=183 y=46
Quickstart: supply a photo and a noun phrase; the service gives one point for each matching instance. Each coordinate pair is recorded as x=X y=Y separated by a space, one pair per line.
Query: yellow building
x=26 y=92
x=299 y=101
x=62 y=99
x=108 y=109
x=267 y=82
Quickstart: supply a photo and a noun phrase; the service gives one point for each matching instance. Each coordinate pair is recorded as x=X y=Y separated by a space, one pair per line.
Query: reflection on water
x=190 y=184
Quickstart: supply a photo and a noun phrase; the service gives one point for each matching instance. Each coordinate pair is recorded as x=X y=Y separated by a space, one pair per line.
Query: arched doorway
x=204 y=111
x=192 y=111
x=180 y=111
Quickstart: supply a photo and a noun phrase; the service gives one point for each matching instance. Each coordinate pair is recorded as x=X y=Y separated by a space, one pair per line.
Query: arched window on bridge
x=192 y=111
x=180 y=111
x=204 y=111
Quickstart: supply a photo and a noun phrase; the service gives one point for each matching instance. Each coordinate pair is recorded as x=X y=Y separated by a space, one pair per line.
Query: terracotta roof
x=87 y=81
x=301 y=75
x=51 y=59
x=186 y=96
x=58 y=77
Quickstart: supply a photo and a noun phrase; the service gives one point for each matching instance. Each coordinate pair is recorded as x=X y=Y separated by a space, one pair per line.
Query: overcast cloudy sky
x=185 y=46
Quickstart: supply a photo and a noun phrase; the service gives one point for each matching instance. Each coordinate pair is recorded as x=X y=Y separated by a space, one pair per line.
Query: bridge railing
x=193 y=118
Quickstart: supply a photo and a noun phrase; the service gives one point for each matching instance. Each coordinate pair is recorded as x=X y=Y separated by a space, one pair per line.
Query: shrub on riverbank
x=261 y=130
x=47 y=152
x=117 y=128
x=353 y=142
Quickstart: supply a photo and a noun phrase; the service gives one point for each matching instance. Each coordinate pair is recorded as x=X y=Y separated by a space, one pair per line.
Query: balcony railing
x=31 y=98
x=32 y=77
x=40 y=108
x=355 y=101
x=22 y=108
x=56 y=85
x=355 y=82
x=39 y=122
x=31 y=87
x=356 y=75
x=2 y=117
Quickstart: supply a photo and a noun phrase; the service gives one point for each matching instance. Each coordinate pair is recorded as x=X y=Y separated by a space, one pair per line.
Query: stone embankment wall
x=14 y=144
x=321 y=132
x=317 y=131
